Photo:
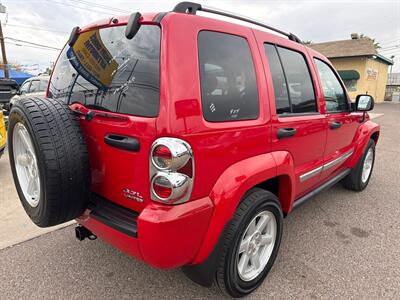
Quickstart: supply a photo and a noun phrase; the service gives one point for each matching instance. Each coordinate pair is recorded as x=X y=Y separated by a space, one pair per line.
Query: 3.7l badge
x=133 y=195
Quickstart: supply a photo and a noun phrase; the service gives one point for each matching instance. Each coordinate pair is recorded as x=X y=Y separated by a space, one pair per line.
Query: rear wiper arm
x=89 y=114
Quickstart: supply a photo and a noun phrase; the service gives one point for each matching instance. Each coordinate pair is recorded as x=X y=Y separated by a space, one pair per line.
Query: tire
x=56 y=154
x=354 y=181
x=228 y=277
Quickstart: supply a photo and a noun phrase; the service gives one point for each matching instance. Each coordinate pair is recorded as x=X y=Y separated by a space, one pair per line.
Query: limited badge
x=133 y=195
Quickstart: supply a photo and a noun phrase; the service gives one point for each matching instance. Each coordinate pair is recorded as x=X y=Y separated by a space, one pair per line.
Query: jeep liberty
x=184 y=140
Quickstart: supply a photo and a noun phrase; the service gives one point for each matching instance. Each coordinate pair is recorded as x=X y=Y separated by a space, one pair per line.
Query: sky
x=49 y=22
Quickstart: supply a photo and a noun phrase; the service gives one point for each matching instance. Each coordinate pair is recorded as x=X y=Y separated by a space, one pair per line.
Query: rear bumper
x=162 y=236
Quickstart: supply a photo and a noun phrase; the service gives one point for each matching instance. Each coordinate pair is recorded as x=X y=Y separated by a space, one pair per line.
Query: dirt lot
x=341 y=244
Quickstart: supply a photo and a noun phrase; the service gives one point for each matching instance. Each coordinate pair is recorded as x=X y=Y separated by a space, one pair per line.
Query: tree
x=376 y=44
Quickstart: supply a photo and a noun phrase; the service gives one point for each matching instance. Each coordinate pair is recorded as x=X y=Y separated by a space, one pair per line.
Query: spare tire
x=49 y=160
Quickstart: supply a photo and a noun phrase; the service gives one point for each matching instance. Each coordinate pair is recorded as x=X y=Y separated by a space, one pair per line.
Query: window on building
x=227 y=78
x=294 y=91
x=335 y=96
x=349 y=78
x=350 y=84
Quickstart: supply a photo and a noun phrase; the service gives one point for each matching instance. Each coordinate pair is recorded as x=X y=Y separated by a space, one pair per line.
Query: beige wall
x=374 y=84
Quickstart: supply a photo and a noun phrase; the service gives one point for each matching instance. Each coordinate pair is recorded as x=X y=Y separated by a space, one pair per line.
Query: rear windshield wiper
x=90 y=114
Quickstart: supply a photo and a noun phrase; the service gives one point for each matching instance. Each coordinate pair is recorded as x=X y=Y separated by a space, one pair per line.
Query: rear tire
x=49 y=160
x=235 y=276
x=360 y=175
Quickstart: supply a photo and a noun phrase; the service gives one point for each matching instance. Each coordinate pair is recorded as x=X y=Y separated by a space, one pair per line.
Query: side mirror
x=364 y=103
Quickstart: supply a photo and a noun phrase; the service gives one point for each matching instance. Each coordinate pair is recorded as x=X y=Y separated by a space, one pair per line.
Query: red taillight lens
x=171 y=170
x=162 y=187
x=162 y=157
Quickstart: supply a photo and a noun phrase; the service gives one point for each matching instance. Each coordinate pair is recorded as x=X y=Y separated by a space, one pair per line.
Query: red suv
x=184 y=140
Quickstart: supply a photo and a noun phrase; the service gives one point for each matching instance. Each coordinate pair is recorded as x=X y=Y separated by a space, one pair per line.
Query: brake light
x=162 y=157
x=171 y=171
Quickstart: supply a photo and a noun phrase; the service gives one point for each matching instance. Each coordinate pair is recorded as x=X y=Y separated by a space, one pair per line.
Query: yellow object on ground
x=2 y=133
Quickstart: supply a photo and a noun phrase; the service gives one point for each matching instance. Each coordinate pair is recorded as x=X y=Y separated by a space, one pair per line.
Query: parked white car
x=34 y=86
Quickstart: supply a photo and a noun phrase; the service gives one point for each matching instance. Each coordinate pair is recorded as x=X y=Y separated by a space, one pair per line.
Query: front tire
x=359 y=177
x=250 y=244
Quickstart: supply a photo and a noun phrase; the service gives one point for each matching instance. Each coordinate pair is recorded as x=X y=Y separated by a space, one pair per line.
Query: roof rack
x=192 y=8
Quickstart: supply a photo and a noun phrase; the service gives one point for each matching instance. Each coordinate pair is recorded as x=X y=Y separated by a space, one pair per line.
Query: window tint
x=227 y=78
x=335 y=97
x=299 y=81
x=105 y=70
x=278 y=79
x=294 y=91
x=35 y=86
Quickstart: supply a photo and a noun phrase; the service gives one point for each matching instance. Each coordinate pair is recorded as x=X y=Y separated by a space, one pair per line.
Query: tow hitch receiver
x=82 y=233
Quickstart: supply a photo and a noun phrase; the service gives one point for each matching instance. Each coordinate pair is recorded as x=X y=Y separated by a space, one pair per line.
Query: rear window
x=104 y=70
x=227 y=78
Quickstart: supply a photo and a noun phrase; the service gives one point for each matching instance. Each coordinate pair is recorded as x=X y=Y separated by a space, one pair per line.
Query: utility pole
x=3 y=47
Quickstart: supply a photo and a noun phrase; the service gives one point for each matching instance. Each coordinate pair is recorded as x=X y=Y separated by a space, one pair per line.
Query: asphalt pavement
x=341 y=245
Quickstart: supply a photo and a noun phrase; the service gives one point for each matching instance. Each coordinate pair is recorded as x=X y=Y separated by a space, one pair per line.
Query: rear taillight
x=162 y=157
x=171 y=171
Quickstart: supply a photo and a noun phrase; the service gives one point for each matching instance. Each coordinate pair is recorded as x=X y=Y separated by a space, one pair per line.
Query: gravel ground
x=340 y=245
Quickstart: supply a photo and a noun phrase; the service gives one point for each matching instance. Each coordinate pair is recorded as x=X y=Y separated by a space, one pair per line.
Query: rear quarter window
x=104 y=70
x=227 y=78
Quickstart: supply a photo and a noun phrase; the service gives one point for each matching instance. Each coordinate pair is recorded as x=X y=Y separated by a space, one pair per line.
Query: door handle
x=286 y=132
x=122 y=142
x=335 y=125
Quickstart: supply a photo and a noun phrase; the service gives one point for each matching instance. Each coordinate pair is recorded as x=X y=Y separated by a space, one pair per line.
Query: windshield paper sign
x=92 y=60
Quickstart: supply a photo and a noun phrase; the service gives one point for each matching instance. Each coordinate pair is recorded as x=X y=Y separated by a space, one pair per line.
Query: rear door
x=342 y=122
x=297 y=124
x=116 y=81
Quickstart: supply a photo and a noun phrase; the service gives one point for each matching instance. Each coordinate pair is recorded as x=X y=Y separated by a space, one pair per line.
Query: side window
x=335 y=96
x=294 y=90
x=35 y=86
x=25 y=87
x=227 y=78
x=43 y=85
x=278 y=79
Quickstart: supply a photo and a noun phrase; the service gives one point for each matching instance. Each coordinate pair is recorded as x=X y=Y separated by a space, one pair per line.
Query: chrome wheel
x=256 y=245
x=26 y=164
x=367 y=166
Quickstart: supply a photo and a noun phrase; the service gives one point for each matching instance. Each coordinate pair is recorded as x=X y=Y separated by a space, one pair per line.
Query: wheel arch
x=271 y=171
x=368 y=130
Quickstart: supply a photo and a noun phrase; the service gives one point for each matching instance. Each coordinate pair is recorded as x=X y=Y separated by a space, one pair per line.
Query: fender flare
x=233 y=184
x=363 y=135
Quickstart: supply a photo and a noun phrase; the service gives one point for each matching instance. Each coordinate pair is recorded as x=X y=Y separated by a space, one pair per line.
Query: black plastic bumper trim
x=321 y=188
x=113 y=215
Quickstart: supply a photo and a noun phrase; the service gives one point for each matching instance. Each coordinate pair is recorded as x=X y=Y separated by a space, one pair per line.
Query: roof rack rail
x=192 y=8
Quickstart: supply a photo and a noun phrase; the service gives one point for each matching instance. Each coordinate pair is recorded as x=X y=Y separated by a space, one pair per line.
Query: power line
x=30 y=43
x=35 y=28
x=82 y=8
x=20 y=45
x=389 y=48
x=97 y=5
x=389 y=41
